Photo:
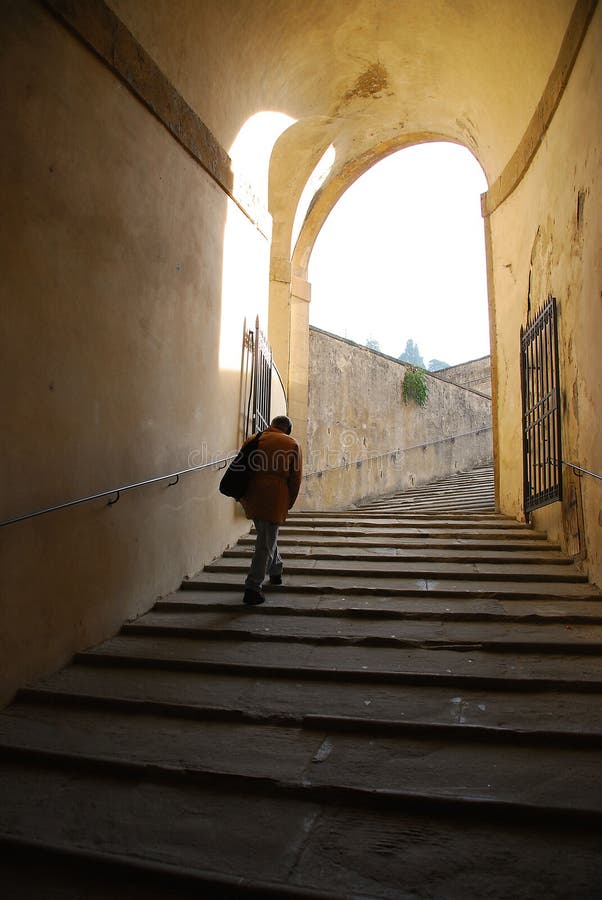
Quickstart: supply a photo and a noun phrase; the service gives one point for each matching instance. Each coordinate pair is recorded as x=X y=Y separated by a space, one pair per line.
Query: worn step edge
x=534 y=557
x=360 y=543
x=293 y=568
x=393 y=511
x=477 y=495
x=475 y=499
x=506 y=683
x=310 y=535
x=447 y=488
x=182 y=605
x=436 y=506
x=390 y=511
x=156 y=872
x=496 y=734
x=441 y=518
x=198 y=583
x=499 y=646
x=372 y=526
x=402 y=533
x=350 y=795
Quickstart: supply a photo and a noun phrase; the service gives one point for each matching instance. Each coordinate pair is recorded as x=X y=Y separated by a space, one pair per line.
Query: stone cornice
x=97 y=26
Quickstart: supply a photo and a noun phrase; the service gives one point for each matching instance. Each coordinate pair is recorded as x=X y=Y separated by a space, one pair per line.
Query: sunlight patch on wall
x=245 y=274
x=251 y=151
x=245 y=284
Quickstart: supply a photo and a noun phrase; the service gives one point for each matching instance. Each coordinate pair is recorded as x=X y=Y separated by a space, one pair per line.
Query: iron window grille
x=259 y=353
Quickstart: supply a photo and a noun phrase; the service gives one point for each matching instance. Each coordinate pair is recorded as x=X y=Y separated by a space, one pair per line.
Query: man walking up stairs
x=416 y=712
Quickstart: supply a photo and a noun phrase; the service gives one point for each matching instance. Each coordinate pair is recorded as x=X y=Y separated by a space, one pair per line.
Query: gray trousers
x=266 y=558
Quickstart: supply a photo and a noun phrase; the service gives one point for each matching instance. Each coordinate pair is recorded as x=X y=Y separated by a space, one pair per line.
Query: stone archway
x=290 y=289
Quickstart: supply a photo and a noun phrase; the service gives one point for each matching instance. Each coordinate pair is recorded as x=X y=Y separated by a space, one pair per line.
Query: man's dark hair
x=283 y=423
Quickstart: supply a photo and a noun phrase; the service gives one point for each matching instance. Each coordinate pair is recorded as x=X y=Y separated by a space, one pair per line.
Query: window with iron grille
x=542 y=467
x=262 y=381
x=259 y=354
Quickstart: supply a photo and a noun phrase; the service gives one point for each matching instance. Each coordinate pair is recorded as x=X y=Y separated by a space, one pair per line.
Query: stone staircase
x=464 y=492
x=416 y=713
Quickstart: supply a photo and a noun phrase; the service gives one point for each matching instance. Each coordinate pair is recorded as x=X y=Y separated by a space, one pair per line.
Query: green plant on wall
x=415 y=387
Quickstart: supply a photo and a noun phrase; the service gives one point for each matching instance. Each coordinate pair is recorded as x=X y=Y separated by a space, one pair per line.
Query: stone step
x=370 y=568
x=423 y=693
x=541 y=555
x=468 y=666
x=372 y=519
x=408 y=543
x=458 y=608
x=458 y=485
x=430 y=507
x=397 y=586
x=313 y=761
x=468 y=489
x=312 y=628
x=477 y=500
x=449 y=490
x=296 y=845
x=473 y=714
x=433 y=502
x=416 y=532
x=443 y=498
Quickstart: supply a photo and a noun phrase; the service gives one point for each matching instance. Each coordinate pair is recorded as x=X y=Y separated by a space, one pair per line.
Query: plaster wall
x=546 y=238
x=121 y=347
x=364 y=441
x=475 y=375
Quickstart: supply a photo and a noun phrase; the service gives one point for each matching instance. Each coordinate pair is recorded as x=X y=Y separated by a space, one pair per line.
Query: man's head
x=282 y=423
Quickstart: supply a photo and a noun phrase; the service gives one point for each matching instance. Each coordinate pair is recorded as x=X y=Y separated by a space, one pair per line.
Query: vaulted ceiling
x=368 y=76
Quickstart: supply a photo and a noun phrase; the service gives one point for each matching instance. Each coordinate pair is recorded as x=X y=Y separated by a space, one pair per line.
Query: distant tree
x=435 y=365
x=372 y=344
x=411 y=355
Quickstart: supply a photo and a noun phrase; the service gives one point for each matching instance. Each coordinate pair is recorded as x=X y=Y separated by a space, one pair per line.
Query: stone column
x=279 y=314
x=299 y=359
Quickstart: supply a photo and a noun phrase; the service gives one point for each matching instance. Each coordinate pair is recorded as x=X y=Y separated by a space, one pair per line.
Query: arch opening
x=406 y=239
x=399 y=265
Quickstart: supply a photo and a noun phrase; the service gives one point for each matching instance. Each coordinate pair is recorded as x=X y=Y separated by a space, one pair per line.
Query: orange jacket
x=276 y=468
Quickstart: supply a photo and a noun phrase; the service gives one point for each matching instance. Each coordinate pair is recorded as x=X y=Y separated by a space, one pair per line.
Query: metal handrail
x=577 y=469
x=354 y=462
x=219 y=463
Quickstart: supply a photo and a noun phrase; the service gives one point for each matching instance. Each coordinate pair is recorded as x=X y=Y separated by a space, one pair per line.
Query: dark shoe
x=275 y=579
x=253 y=598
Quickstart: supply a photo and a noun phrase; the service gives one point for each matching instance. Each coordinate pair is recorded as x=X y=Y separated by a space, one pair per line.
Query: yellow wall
x=537 y=229
x=475 y=374
x=121 y=347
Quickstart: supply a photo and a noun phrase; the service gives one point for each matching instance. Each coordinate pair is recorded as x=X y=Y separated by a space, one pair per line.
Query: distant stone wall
x=475 y=375
x=364 y=441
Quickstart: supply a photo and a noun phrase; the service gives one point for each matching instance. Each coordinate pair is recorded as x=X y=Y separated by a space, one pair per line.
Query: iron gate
x=542 y=467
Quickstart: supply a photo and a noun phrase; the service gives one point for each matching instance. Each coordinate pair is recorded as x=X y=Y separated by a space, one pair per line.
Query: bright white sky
x=402 y=255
